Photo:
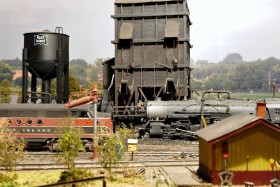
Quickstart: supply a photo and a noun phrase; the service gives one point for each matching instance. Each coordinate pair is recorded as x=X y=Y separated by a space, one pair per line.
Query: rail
x=78 y=181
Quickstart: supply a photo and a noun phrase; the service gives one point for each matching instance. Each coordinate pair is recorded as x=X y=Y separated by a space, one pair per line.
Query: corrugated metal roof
x=171 y=29
x=226 y=126
x=141 y=1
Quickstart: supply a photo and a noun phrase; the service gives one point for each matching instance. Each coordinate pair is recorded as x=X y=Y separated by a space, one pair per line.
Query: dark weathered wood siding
x=152 y=47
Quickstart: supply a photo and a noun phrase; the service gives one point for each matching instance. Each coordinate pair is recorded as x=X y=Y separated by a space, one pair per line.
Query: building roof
x=141 y=1
x=231 y=126
x=18 y=74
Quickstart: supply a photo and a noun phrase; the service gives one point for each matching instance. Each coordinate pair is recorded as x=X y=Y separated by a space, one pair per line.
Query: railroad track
x=158 y=160
x=163 y=172
x=166 y=168
x=95 y=165
x=48 y=160
x=49 y=157
x=147 y=153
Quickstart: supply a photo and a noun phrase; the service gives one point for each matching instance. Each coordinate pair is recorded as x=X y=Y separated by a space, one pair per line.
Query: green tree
x=15 y=64
x=79 y=62
x=74 y=85
x=5 y=91
x=6 y=72
x=201 y=62
x=109 y=153
x=237 y=75
x=213 y=82
x=18 y=81
x=95 y=70
x=233 y=58
x=69 y=144
x=227 y=83
x=11 y=152
x=78 y=70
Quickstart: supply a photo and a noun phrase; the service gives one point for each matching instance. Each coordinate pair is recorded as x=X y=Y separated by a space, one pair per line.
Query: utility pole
x=273 y=89
x=269 y=81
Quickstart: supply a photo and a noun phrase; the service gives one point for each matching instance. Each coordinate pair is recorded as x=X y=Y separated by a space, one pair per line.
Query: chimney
x=261 y=109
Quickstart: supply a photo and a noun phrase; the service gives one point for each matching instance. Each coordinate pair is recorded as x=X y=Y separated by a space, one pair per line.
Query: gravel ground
x=182 y=150
x=167 y=145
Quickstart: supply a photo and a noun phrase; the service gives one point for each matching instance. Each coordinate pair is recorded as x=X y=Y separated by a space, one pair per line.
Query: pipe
x=261 y=109
x=203 y=101
x=80 y=101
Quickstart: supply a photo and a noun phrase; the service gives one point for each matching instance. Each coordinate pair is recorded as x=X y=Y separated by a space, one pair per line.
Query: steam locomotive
x=179 y=119
x=172 y=119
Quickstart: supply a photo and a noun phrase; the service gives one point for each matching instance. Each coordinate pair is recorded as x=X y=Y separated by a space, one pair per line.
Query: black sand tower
x=46 y=57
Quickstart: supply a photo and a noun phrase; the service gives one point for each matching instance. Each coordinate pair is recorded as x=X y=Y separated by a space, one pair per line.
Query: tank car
x=38 y=124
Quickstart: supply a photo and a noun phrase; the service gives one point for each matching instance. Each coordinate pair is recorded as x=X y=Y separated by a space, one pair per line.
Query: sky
x=220 y=27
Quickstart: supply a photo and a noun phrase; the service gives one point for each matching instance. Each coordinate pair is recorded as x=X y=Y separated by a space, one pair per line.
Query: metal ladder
x=60 y=65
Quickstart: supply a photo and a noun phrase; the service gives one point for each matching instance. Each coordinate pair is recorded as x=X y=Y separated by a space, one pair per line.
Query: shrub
x=69 y=144
x=11 y=151
x=109 y=152
x=75 y=174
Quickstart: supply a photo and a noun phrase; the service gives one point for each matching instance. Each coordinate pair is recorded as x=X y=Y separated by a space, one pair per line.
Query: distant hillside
x=237 y=76
x=16 y=64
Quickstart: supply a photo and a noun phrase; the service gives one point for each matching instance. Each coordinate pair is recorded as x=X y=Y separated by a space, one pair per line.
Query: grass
x=254 y=96
x=244 y=96
x=37 y=178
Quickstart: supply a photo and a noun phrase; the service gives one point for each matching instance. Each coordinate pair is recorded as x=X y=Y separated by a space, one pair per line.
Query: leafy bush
x=11 y=151
x=75 y=174
x=5 y=91
x=109 y=152
x=69 y=144
x=8 y=179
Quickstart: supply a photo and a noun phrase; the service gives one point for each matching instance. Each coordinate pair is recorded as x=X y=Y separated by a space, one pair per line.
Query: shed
x=251 y=141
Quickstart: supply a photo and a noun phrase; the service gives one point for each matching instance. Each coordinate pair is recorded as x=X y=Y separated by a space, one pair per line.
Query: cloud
x=219 y=27
x=18 y=18
x=224 y=26
x=87 y=22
